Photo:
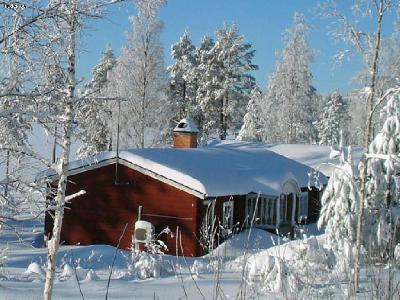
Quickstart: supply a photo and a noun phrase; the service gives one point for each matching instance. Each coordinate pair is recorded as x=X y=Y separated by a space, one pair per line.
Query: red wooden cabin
x=183 y=189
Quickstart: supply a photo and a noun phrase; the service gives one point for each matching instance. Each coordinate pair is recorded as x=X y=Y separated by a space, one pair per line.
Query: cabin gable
x=100 y=215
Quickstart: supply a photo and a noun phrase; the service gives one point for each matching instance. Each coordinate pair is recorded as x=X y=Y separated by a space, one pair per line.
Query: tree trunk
x=182 y=110
x=368 y=137
x=144 y=87
x=7 y=174
x=53 y=159
x=54 y=242
x=221 y=119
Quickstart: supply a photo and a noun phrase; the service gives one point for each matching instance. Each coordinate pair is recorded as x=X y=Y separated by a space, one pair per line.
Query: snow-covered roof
x=314 y=156
x=186 y=125
x=220 y=169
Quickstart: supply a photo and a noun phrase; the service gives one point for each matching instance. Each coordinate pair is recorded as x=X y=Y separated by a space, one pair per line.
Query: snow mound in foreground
x=250 y=240
x=34 y=268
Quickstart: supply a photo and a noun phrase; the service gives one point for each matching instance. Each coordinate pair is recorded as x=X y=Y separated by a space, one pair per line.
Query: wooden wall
x=99 y=216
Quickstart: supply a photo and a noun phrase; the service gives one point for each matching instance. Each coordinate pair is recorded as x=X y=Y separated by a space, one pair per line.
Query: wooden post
x=140 y=209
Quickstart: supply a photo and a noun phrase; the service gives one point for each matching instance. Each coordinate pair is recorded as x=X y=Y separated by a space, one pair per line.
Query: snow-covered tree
x=140 y=78
x=233 y=64
x=334 y=119
x=203 y=75
x=14 y=128
x=368 y=45
x=252 y=124
x=382 y=167
x=290 y=94
x=182 y=83
x=48 y=32
x=339 y=203
x=223 y=80
x=93 y=113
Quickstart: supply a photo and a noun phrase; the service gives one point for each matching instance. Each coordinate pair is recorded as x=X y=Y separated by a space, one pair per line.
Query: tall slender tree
x=182 y=83
x=140 y=78
x=224 y=78
x=93 y=112
x=290 y=94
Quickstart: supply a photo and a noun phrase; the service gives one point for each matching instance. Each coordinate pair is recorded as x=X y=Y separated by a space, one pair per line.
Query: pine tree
x=93 y=113
x=334 y=120
x=182 y=85
x=234 y=62
x=252 y=127
x=223 y=80
x=204 y=76
x=290 y=94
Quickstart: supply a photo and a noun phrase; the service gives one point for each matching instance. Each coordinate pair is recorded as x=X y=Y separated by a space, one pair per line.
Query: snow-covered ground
x=23 y=276
x=87 y=268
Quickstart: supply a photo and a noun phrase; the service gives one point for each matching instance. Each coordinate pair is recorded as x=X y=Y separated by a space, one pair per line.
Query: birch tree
x=139 y=77
x=14 y=126
x=49 y=37
x=368 y=46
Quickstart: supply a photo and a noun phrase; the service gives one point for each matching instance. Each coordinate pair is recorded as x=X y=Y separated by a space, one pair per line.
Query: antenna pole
x=117 y=159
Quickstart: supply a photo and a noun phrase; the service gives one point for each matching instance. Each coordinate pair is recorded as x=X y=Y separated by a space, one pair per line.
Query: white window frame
x=227 y=221
x=303 y=206
x=266 y=209
x=283 y=208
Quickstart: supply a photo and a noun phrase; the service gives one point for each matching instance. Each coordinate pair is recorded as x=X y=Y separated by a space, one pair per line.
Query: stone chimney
x=185 y=134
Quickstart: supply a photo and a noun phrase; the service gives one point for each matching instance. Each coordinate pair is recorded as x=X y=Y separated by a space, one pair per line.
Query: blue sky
x=262 y=22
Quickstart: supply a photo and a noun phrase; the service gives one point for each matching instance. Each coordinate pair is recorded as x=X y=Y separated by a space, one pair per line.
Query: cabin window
x=261 y=209
x=286 y=207
x=227 y=214
x=302 y=204
x=283 y=207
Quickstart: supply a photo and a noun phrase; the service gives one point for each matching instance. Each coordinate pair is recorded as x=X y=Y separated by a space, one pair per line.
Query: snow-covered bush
x=146 y=266
x=198 y=267
x=67 y=272
x=305 y=269
x=339 y=203
x=267 y=273
x=149 y=263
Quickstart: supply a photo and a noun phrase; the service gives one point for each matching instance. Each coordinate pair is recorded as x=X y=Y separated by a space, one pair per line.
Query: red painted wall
x=99 y=216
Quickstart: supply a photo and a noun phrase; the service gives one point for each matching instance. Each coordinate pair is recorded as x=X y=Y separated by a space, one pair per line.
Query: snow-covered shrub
x=304 y=270
x=149 y=263
x=267 y=273
x=35 y=272
x=67 y=272
x=198 y=267
x=91 y=276
x=339 y=202
x=146 y=266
